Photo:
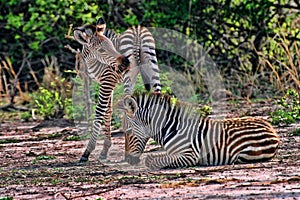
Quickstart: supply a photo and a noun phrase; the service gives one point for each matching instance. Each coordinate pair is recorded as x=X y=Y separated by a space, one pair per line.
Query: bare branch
x=72 y=49
x=69 y=33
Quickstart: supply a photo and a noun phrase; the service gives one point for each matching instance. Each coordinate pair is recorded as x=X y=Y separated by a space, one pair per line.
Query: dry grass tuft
x=283 y=59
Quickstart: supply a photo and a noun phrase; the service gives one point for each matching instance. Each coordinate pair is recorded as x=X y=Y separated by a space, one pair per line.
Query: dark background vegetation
x=255 y=43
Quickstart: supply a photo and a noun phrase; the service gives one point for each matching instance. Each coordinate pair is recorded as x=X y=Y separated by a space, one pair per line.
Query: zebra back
x=114 y=37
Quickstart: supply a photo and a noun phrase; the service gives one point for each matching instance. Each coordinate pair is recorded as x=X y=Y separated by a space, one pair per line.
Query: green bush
x=50 y=104
x=289 y=109
x=40 y=20
x=252 y=41
x=205 y=110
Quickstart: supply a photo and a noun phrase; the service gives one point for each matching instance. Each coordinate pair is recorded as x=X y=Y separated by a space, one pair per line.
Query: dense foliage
x=253 y=42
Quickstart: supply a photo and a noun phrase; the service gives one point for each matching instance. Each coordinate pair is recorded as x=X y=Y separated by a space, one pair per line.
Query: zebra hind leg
x=163 y=160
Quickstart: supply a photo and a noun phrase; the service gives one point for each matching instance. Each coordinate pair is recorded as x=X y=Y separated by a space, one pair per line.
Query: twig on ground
x=109 y=188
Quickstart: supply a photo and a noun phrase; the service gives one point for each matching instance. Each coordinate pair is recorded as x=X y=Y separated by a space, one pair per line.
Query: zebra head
x=134 y=147
x=97 y=47
x=135 y=137
x=137 y=116
x=91 y=36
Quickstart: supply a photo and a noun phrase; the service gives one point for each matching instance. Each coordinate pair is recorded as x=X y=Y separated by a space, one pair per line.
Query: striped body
x=107 y=67
x=189 y=139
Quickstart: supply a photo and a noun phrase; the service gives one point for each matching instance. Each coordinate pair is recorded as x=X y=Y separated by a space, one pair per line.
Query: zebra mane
x=165 y=100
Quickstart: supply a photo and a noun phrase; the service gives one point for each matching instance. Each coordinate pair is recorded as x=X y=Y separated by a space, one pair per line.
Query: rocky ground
x=39 y=160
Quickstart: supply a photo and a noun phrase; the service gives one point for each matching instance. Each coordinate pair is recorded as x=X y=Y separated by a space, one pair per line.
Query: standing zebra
x=138 y=45
x=189 y=139
x=108 y=71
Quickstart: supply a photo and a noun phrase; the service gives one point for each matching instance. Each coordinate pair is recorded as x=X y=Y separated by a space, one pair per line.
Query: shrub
x=289 y=109
x=49 y=103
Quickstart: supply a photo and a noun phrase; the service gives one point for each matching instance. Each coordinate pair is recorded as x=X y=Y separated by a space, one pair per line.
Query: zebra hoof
x=83 y=159
x=132 y=160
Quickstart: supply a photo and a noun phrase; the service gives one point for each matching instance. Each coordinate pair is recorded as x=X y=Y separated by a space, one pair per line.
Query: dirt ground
x=42 y=163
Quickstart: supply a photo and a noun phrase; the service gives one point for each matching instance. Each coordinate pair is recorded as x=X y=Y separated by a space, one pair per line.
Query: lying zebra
x=189 y=139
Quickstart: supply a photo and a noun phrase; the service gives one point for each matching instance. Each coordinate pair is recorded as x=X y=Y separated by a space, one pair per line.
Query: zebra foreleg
x=164 y=160
x=92 y=142
x=101 y=124
x=107 y=129
x=97 y=128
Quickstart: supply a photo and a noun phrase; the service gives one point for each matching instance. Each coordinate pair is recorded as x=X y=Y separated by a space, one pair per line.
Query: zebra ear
x=130 y=106
x=83 y=34
x=101 y=21
x=81 y=37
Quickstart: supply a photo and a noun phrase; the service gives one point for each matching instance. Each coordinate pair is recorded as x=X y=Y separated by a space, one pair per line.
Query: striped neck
x=163 y=117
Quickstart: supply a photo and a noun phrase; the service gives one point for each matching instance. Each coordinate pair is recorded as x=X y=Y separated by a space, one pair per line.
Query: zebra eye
x=99 y=29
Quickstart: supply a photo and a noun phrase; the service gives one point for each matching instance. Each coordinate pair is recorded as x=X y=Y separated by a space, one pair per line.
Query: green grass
x=153 y=142
x=295 y=132
x=39 y=138
x=8 y=141
x=6 y=198
x=45 y=157
x=73 y=138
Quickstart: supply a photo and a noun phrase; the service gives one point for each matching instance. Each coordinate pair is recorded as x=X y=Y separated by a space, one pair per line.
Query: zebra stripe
x=189 y=139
